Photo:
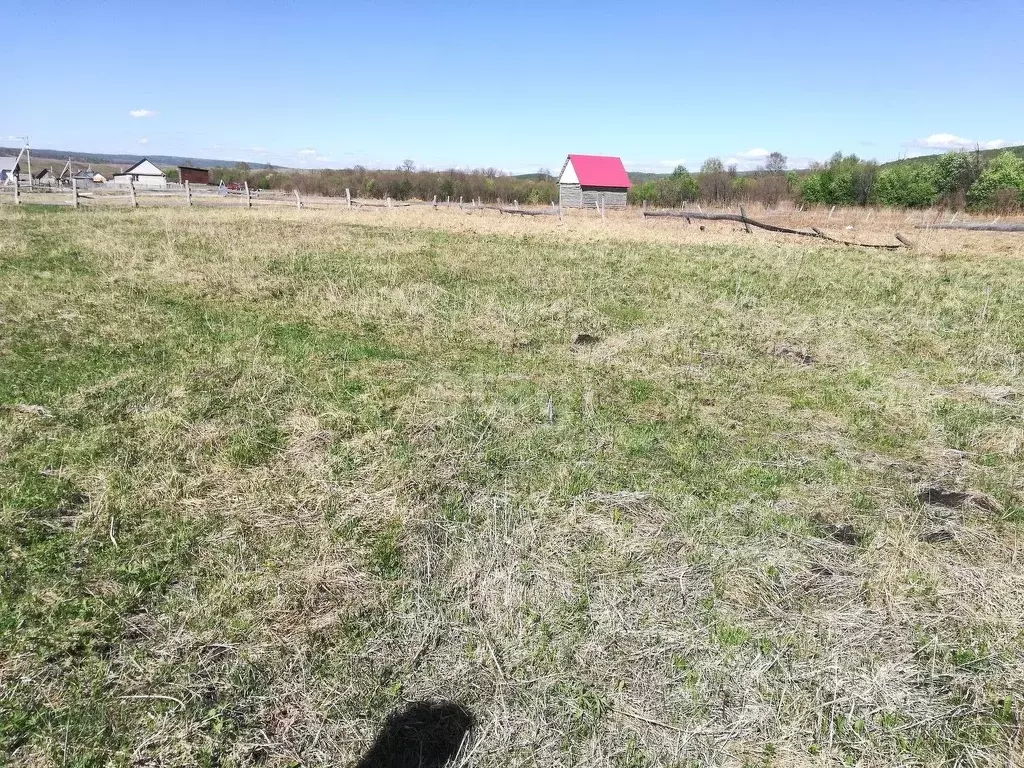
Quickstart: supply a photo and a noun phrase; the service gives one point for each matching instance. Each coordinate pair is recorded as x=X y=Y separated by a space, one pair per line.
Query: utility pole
x=23 y=151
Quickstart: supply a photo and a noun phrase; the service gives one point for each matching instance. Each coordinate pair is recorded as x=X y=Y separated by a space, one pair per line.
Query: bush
x=842 y=181
x=1000 y=184
x=906 y=186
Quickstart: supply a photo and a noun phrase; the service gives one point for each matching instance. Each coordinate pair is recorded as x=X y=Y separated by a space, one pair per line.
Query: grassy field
x=266 y=475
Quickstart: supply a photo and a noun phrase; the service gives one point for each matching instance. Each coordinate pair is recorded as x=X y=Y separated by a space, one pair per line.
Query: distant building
x=193 y=175
x=9 y=169
x=44 y=178
x=587 y=180
x=85 y=179
x=143 y=174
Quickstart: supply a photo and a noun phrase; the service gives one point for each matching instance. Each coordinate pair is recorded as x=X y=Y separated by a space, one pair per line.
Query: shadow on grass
x=425 y=734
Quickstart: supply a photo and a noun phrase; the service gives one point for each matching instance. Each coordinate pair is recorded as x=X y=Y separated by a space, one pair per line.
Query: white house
x=9 y=169
x=143 y=173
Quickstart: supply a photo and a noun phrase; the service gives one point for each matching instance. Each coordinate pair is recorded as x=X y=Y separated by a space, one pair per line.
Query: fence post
x=74 y=193
x=348 y=197
x=131 y=194
x=743 y=215
x=17 y=193
x=389 y=201
x=515 y=204
x=460 y=202
x=298 y=201
x=248 y=196
x=435 y=202
x=559 y=209
x=188 y=194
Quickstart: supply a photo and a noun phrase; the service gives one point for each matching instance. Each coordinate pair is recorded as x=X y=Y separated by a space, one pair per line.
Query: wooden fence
x=204 y=195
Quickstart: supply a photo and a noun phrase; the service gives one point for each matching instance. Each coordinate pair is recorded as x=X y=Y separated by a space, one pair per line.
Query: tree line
x=957 y=180
x=403 y=183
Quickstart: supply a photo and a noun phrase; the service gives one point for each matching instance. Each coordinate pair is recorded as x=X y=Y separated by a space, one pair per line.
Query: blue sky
x=323 y=83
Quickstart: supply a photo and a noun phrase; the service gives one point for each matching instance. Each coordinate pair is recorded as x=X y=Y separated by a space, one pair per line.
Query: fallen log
x=521 y=212
x=726 y=217
x=823 y=236
x=974 y=226
x=746 y=220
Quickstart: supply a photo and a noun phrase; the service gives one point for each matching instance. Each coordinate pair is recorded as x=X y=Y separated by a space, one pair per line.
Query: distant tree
x=543 y=173
x=773 y=183
x=955 y=173
x=682 y=187
x=740 y=187
x=842 y=181
x=172 y=175
x=242 y=167
x=1001 y=185
x=775 y=163
x=408 y=166
x=714 y=181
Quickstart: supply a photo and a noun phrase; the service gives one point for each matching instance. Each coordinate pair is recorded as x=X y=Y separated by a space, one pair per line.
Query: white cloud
x=259 y=150
x=756 y=152
x=746 y=161
x=307 y=151
x=143 y=140
x=951 y=141
x=142 y=113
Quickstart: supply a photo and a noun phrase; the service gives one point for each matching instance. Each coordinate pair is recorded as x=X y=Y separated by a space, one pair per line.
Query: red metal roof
x=600 y=171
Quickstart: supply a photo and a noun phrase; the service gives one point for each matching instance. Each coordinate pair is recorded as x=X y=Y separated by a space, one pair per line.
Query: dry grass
x=297 y=467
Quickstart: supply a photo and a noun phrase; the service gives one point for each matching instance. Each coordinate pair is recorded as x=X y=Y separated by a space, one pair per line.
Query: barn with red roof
x=587 y=181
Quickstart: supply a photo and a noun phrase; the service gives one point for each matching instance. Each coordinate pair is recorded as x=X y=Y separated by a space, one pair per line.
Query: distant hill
x=48 y=156
x=986 y=154
x=639 y=177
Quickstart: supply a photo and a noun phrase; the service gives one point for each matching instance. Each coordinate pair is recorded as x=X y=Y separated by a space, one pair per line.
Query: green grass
x=297 y=468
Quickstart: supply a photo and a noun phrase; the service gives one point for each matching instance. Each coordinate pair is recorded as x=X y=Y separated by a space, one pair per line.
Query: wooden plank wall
x=570 y=195
x=575 y=196
x=611 y=199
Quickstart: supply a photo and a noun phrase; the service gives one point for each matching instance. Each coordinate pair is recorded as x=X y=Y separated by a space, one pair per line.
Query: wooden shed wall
x=570 y=195
x=576 y=196
x=613 y=198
